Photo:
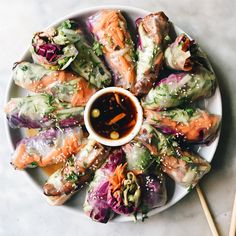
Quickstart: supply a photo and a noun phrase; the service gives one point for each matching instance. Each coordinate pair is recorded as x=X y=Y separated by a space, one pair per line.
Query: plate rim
x=75 y=14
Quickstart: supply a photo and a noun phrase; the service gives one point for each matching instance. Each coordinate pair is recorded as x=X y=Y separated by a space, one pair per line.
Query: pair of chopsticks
x=209 y=218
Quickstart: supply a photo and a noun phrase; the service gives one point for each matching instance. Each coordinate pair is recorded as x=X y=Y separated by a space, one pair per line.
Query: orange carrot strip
x=116 y=118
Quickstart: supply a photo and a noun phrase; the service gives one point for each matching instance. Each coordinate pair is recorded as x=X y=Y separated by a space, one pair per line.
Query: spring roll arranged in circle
x=194 y=125
x=95 y=205
x=89 y=65
x=179 y=55
x=54 y=48
x=153 y=31
x=109 y=28
x=184 y=167
x=47 y=147
x=64 y=85
x=78 y=171
x=181 y=88
x=42 y=111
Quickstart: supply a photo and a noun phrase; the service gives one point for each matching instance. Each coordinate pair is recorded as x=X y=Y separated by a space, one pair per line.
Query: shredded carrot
x=69 y=147
x=118 y=177
x=190 y=130
x=116 y=118
x=23 y=159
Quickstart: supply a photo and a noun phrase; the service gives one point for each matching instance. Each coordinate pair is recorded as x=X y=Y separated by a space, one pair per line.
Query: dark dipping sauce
x=117 y=115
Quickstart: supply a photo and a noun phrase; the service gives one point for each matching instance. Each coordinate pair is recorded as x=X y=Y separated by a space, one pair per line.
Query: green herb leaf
x=191 y=187
x=34 y=164
x=97 y=48
x=72 y=177
x=190 y=111
x=186 y=159
x=24 y=68
x=69 y=24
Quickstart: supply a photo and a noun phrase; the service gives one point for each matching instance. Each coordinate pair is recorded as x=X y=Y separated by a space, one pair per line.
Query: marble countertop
x=22 y=209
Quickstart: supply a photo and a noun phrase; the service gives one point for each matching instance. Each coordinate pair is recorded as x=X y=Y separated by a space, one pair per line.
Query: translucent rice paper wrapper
x=109 y=28
x=179 y=55
x=181 y=88
x=189 y=124
x=153 y=32
x=138 y=156
x=54 y=48
x=64 y=85
x=90 y=66
x=76 y=173
x=184 y=167
x=47 y=147
x=42 y=111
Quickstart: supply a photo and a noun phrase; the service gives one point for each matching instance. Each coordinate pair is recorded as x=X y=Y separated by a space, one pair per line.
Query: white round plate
x=39 y=177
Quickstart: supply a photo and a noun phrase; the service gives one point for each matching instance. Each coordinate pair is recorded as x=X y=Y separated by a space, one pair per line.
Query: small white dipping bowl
x=119 y=141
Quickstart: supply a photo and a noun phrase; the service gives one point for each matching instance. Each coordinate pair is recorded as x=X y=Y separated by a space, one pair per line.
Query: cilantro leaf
x=97 y=48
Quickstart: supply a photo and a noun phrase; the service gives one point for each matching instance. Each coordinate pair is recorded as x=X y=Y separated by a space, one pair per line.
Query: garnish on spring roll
x=153 y=31
x=181 y=88
x=95 y=205
x=77 y=172
x=123 y=191
x=54 y=48
x=63 y=85
x=194 y=125
x=109 y=28
x=90 y=66
x=47 y=147
x=42 y=111
x=178 y=56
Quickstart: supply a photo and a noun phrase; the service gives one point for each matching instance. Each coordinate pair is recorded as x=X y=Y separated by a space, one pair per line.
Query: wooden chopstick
x=207 y=212
x=232 y=228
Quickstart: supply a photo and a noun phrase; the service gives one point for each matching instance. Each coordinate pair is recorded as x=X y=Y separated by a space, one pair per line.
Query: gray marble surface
x=23 y=211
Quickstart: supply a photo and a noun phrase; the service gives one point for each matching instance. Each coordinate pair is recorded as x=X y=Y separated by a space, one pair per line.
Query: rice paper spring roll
x=47 y=147
x=154 y=192
x=179 y=55
x=90 y=66
x=76 y=173
x=143 y=151
x=153 y=31
x=194 y=125
x=138 y=157
x=109 y=28
x=95 y=205
x=42 y=111
x=64 y=85
x=124 y=193
x=54 y=48
x=181 y=88
x=185 y=167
